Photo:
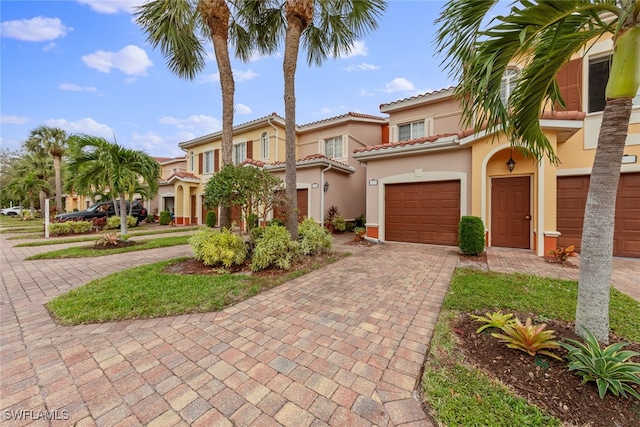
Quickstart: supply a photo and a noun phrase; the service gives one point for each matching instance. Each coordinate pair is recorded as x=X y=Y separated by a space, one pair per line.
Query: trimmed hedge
x=70 y=227
x=211 y=219
x=165 y=217
x=471 y=235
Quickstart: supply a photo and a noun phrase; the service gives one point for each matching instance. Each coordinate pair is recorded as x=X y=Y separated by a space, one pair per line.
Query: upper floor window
x=411 y=131
x=192 y=161
x=333 y=147
x=508 y=84
x=208 y=162
x=264 y=145
x=239 y=153
x=598 y=78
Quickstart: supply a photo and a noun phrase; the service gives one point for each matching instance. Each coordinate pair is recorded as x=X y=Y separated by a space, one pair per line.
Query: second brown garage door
x=572 y=198
x=423 y=212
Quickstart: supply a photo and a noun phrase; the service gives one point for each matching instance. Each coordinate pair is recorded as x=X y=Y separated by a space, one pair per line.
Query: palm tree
x=41 y=164
x=326 y=28
x=548 y=33
x=27 y=187
x=180 y=28
x=54 y=141
x=98 y=163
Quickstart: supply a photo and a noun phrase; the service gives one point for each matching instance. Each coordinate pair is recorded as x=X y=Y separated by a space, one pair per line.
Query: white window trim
x=322 y=147
x=264 y=146
x=428 y=127
x=208 y=165
x=235 y=144
x=193 y=162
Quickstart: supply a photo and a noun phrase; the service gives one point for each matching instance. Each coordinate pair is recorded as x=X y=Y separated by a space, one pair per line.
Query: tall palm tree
x=53 y=141
x=548 y=33
x=26 y=187
x=326 y=28
x=180 y=28
x=98 y=163
x=41 y=164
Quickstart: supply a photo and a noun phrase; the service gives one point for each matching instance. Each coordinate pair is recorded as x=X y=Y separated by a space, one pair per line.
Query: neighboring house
x=261 y=140
x=171 y=167
x=432 y=172
x=327 y=175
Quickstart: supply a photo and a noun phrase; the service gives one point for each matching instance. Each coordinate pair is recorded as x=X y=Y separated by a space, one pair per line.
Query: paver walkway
x=342 y=346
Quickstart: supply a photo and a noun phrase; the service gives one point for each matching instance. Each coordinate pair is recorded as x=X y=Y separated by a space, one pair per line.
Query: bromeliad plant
x=609 y=368
x=530 y=338
x=494 y=320
x=562 y=254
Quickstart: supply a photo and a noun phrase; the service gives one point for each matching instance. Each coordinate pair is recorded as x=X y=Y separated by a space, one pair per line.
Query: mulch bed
x=545 y=381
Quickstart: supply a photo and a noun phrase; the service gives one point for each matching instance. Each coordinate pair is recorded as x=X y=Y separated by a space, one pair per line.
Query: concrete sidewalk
x=342 y=346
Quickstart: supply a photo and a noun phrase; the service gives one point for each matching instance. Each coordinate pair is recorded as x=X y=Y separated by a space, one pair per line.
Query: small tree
x=249 y=188
x=471 y=235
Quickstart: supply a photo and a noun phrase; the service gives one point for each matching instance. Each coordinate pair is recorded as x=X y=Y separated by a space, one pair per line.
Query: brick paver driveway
x=342 y=346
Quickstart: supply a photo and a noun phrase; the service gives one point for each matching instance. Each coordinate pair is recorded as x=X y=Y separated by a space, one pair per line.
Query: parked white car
x=12 y=211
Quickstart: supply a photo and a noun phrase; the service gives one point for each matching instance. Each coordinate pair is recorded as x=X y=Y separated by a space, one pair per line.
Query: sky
x=86 y=67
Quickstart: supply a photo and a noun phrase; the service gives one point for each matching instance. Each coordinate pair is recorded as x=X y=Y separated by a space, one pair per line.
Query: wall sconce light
x=326 y=186
x=314 y=185
x=511 y=163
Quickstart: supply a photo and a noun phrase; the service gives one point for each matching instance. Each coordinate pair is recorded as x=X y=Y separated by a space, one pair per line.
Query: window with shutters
x=598 y=78
x=239 y=153
x=569 y=80
x=508 y=84
x=208 y=161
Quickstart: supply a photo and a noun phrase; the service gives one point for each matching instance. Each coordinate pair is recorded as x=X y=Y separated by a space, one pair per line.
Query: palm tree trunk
x=123 y=215
x=57 y=168
x=216 y=14
x=597 y=236
x=299 y=14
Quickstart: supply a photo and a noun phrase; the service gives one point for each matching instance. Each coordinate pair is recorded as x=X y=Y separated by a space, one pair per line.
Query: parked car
x=12 y=211
x=104 y=209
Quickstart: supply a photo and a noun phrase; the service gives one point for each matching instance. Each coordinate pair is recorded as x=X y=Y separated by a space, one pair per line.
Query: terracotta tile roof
x=563 y=115
x=235 y=127
x=254 y=162
x=313 y=157
x=182 y=175
x=343 y=116
x=416 y=97
x=162 y=159
x=402 y=143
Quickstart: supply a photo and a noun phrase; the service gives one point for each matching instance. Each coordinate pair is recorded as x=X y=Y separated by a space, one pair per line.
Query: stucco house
x=326 y=173
x=432 y=172
x=170 y=168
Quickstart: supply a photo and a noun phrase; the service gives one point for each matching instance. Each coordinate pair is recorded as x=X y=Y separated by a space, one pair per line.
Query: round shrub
x=214 y=247
x=339 y=223
x=113 y=222
x=471 y=235
x=275 y=248
x=360 y=221
x=165 y=217
x=211 y=219
x=313 y=238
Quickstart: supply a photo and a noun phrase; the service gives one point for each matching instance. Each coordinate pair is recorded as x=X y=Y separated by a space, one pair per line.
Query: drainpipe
x=276 y=129
x=322 y=194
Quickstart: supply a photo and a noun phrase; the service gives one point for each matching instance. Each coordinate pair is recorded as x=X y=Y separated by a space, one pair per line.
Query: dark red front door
x=511 y=212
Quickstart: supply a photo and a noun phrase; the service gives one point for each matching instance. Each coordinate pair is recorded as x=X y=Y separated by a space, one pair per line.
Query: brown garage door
x=303 y=206
x=572 y=198
x=423 y=212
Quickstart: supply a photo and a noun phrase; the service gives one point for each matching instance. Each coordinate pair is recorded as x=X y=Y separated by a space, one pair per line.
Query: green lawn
x=147 y=292
x=90 y=251
x=461 y=395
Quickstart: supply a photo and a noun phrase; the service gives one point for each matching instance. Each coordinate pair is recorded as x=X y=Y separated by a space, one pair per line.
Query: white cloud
x=49 y=46
x=359 y=48
x=131 y=60
x=87 y=126
x=243 y=109
x=76 y=88
x=241 y=76
x=205 y=124
x=362 y=67
x=13 y=120
x=112 y=6
x=364 y=92
x=399 y=84
x=257 y=56
x=157 y=145
x=238 y=76
x=35 y=29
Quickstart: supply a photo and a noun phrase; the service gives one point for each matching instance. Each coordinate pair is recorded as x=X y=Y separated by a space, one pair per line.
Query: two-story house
x=432 y=172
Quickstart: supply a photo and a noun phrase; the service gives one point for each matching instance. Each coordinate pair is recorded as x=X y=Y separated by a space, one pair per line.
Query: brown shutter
x=569 y=79
x=249 y=149
x=200 y=163
x=216 y=160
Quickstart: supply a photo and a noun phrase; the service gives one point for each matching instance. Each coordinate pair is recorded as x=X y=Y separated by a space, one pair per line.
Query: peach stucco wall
x=431 y=166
